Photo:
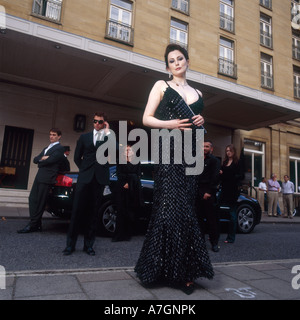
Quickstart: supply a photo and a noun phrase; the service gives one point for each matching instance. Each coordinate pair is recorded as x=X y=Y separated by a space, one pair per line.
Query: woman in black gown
x=174 y=250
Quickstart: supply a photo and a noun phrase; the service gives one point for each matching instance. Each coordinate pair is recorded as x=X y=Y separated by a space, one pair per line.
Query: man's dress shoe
x=29 y=229
x=68 y=251
x=89 y=250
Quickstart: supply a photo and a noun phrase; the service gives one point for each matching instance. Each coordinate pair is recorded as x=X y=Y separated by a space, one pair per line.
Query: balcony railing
x=181 y=5
x=297 y=91
x=267 y=80
x=266 y=39
x=227 y=68
x=119 y=32
x=296 y=52
x=226 y=22
x=50 y=9
x=266 y=3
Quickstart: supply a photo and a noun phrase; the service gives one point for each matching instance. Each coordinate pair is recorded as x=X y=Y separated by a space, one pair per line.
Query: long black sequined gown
x=174 y=250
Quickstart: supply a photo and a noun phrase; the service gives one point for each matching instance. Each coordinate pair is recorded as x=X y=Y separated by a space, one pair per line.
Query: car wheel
x=107 y=218
x=245 y=218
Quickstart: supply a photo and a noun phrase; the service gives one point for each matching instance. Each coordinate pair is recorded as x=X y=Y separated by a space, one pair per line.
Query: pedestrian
x=288 y=190
x=48 y=162
x=273 y=190
x=231 y=175
x=206 y=204
x=174 y=250
x=262 y=186
x=91 y=181
x=128 y=194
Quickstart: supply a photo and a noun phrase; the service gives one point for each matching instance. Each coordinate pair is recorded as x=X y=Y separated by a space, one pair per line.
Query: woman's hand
x=183 y=124
x=126 y=186
x=198 y=120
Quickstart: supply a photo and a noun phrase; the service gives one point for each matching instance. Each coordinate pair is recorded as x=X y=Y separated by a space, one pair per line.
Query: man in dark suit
x=208 y=183
x=48 y=162
x=91 y=181
x=65 y=164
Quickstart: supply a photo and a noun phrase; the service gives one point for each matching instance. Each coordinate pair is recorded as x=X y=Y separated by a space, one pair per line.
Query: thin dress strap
x=167 y=83
x=198 y=93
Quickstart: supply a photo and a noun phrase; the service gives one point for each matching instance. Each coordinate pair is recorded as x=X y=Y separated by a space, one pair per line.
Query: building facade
x=61 y=60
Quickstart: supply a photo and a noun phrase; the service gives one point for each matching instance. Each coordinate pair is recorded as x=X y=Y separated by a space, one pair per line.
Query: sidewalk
x=265 y=280
x=259 y=280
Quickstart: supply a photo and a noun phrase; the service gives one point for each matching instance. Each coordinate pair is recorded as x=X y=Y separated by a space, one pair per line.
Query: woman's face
x=177 y=63
x=229 y=153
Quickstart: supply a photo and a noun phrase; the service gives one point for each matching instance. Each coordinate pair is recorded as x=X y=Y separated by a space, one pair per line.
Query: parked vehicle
x=61 y=198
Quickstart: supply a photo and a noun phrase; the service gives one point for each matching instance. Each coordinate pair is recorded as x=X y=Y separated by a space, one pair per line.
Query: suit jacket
x=49 y=168
x=209 y=178
x=64 y=165
x=85 y=159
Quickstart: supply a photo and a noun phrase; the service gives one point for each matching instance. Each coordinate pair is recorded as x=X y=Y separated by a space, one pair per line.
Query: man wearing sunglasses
x=91 y=181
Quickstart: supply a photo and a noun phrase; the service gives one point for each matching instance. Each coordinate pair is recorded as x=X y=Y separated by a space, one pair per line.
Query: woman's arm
x=154 y=99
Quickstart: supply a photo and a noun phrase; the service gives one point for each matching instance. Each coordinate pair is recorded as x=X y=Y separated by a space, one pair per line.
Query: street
x=43 y=251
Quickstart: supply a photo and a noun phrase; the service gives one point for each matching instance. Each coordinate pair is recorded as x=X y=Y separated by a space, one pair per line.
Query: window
x=50 y=9
x=295 y=168
x=179 y=33
x=266 y=3
x=226 y=58
x=266 y=71
x=254 y=161
x=266 y=31
x=296 y=46
x=118 y=26
x=296 y=82
x=227 y=15
x=181 y=5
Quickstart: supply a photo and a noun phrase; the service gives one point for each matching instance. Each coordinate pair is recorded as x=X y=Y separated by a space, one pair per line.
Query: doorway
x=15 y=158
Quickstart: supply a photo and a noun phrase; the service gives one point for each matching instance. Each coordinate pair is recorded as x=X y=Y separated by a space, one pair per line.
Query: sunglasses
x=98 y=121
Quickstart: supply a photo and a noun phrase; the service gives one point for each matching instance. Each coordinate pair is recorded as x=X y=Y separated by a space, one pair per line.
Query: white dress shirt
x=50 y=146
x=288 y=187
x=98 y=135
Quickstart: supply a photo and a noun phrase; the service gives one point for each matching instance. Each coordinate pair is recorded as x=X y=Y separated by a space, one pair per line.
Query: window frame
x=265 y=73
x=265 y=32
x=227 y=64
x=41 y=12
x=227 y=16
x=179 y=31
x=178 y=5
x=264 y=4
x=120 y=29
x=252 y=152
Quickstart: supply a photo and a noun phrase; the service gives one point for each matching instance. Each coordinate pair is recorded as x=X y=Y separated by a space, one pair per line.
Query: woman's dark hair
x=172 y=47
x=235 y=157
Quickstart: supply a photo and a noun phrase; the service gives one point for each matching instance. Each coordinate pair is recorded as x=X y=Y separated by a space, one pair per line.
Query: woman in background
x=231 y=175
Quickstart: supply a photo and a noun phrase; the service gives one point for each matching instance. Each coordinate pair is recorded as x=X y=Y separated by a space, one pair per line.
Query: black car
x=61 y=197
